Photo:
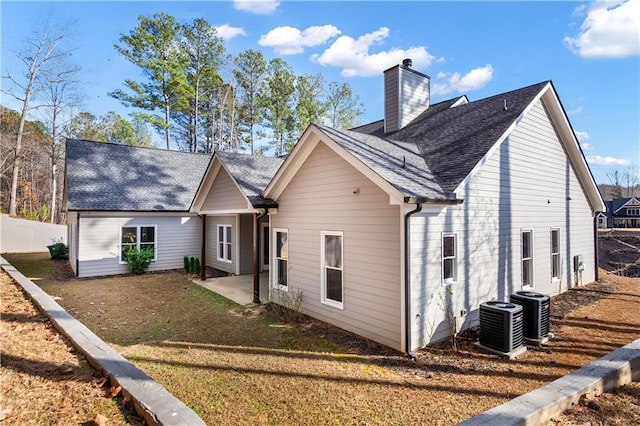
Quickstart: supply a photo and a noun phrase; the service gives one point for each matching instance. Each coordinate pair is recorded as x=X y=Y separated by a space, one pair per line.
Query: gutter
x=407 y=281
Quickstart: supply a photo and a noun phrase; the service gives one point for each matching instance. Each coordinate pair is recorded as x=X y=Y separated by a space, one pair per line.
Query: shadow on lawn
x=479 y=367
x=322 y=377
x=46 y=370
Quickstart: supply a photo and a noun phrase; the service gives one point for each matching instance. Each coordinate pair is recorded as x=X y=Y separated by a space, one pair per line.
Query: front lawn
x=236 y=365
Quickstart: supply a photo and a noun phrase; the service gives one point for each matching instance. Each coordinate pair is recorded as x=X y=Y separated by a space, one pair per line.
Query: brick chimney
x=406 y=95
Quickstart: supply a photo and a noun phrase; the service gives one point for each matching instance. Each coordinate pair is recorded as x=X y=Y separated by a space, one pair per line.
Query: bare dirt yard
x=236 y=365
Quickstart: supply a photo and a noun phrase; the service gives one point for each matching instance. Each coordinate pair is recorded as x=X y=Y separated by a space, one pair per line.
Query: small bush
x=186 y=264
x=197 y=266
x=138 y=260
x=59 y=251
x=192 y=265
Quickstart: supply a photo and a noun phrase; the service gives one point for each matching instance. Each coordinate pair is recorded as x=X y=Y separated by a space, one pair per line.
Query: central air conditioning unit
x=536 y=309
x=500 y=325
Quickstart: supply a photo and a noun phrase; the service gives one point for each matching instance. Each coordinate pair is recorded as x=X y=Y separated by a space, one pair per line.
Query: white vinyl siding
x=72 y=239
x=526 y=183
x=224 y=243
x=99 y=241
x=224 y=195
x=280 y=258
x=321 y=197
x=231 y=267
x=331 y=264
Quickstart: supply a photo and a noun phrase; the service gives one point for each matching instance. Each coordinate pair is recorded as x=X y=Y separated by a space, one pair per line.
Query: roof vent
x=407 y=63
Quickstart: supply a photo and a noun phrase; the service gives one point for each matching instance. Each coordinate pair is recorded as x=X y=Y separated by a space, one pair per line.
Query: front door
x=265 y=244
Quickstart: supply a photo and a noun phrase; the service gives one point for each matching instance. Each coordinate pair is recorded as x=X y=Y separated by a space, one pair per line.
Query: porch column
x=203 y=249
x=256 y=263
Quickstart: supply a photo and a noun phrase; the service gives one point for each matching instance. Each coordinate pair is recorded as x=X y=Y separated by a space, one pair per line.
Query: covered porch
x=237 y=288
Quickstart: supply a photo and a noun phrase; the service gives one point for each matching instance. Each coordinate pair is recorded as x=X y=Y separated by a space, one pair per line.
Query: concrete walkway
x=238 y=288
x=609 y=372
x=151 y=400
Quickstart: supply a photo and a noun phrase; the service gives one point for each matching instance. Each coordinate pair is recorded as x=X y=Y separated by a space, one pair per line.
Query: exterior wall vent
x=536 y=309
x=500 y=326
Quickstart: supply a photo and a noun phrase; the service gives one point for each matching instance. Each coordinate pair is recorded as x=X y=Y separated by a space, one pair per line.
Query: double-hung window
x=225 y=243
x=555 y=254
x=449 y=258
x=527 y=258
x=281 y=250
x=138 y=237
x=332 y=269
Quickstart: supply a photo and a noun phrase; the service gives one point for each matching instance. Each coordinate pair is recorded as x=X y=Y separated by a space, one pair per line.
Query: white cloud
x=610 y=30
x=290 y=41
x=587 y=146
x=582 y=136
x=259 y=7
x=598 y=160
x=228 y=32
x=475 y=79
x=353 y=56
x=576 y=110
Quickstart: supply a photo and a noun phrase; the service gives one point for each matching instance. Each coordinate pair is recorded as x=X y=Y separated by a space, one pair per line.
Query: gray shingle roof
x=446 y=143
x=252 y=173
x=399 y=163
x=105 y=176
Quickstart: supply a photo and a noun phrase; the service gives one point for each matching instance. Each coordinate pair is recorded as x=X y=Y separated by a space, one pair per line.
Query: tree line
x=192 y=92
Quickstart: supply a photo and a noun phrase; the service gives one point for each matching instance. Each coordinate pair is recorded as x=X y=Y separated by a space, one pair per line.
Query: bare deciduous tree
x=41 y=57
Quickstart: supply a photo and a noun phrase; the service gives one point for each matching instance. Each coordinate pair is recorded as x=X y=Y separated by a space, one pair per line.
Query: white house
x=396 y=230
x=399 y=229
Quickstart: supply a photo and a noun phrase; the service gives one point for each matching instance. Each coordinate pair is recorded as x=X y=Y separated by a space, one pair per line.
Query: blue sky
x=589 y=49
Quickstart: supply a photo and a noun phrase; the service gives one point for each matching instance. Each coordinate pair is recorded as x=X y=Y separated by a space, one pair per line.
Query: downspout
x=596 y=244
x=203 y=249
x=256 y=255
x=407 y=281
x=77 y=247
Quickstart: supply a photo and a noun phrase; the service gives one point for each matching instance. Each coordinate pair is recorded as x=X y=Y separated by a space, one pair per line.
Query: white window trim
x=323 y=287
x=555 y=279
x=449 y=281
x=221 y=257
x=274 y=250
x=522 y=258
x=155 y=241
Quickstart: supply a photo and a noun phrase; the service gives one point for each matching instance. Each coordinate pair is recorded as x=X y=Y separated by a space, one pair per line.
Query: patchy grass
x=42 y=379
x=238 y=365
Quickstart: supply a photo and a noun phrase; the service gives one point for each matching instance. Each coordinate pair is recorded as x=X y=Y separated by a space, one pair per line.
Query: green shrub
x=138 y=260
x=192 y=265
x=59 y=251
x=197 y=266
x=186 y=264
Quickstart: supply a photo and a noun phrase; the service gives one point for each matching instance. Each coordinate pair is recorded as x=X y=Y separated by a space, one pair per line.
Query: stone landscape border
x=609 y=372
x=151 y=400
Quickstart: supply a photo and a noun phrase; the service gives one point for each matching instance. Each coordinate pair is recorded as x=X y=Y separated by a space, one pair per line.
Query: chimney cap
x=407 y=63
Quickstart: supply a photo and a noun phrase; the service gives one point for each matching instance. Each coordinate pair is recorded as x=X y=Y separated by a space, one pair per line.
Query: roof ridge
x=135 y=146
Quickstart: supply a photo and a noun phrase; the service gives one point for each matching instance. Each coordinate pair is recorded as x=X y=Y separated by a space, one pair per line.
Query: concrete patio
x=238 y=288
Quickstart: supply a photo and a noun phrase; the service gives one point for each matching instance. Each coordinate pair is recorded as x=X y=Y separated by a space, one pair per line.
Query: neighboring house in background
x=391 y=230
x=602 y=219
x=623 y=213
